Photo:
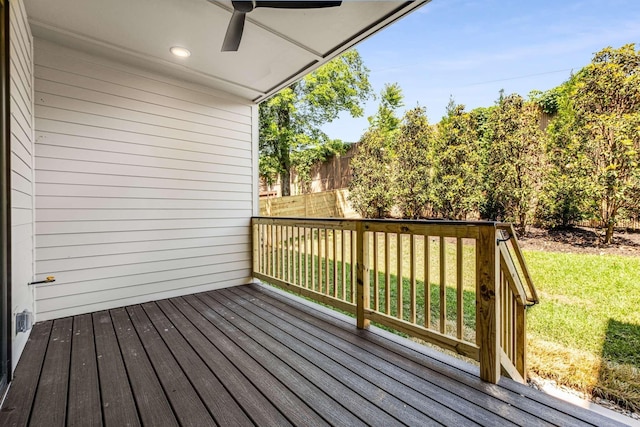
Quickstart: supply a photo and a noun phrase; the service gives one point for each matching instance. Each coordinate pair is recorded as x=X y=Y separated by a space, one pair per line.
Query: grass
x=586 y=331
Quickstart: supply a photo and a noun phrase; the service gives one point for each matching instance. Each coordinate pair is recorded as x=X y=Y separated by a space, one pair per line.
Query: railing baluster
x=313 y=261
x=343 y=245
x=273 y=251
x=281 y=256
x=427 y=282
x=306 y=258
x=290 y=254
x=460 y=290
x=326 y=260
x=268 y=249
x=376 y=280
x=443 y=285
x=295 y=253
x=354 y=258
x=412 y=260
x=521 y=340
x=505 y=319
x=387 y=274
x=507 y=296
x=510 y=317
x=285 y=253
x=399 y=290
x=320 y=253
x=335 y=263
x=265 y=248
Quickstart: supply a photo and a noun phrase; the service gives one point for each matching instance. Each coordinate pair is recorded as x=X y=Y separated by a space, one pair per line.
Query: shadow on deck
x=252 y=356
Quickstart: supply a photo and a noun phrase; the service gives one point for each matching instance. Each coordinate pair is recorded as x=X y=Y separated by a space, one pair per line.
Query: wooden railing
x=455 y=284
x=517 y=293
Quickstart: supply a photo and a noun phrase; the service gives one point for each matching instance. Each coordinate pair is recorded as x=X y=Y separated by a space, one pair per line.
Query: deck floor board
x=118 y=404
x=16 y=409
x=428 y=397
x=469 y=388
x=84 y=390
x=251 y=356
x=374 y=386
x=221 y=405
x=151 y=400
x=50 y=406
x=220 y=354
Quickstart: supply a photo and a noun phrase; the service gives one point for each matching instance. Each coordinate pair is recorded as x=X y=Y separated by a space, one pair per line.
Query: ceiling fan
x=241 y=8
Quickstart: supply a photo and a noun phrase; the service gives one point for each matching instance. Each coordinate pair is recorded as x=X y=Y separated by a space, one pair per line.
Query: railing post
x=255 y=230
x=488 y=303
x=362 y=280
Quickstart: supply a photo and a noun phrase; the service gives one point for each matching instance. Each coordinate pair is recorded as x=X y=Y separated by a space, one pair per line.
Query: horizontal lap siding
x=143 y=185
x=21 y=108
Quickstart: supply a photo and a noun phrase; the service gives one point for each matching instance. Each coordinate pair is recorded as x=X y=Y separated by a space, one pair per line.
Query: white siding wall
x=144 y=185
x=21 y=93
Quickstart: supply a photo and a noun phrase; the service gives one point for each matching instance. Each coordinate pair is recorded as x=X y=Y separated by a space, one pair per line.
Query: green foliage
x=391 y=99
x=457 y=181
x=413 y=163
x=607 y=109
x=547 y=101
x=290 y=120
x=567 y=181
x=514 y=158
x=370 y=187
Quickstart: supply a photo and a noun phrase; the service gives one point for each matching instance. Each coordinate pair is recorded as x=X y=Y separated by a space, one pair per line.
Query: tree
x=607 y=108
x=567 y=181
x=457 y=183
x=391 y=99
x=413 y=163
x=514 y=159
x=290 y=120
x=370 y=187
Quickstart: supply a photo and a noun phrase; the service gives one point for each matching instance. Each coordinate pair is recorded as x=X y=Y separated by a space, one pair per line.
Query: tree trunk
x=285 y=183
x=608 y=237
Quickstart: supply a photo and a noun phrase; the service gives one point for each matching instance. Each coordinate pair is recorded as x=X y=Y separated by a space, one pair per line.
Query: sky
x=470 y=49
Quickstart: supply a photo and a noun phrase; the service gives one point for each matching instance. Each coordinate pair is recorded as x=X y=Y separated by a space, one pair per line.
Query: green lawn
x=586 y=331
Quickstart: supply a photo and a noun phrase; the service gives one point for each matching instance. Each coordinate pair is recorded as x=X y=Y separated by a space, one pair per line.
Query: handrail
x=532 y=296
x=451 y=283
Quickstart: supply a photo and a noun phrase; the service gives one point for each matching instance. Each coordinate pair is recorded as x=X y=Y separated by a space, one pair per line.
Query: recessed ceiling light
x=180 y=51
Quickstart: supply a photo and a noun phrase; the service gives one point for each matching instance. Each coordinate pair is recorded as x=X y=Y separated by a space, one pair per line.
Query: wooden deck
x=250 y=356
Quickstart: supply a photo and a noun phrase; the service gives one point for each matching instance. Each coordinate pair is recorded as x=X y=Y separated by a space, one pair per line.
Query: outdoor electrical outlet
x=24 y=321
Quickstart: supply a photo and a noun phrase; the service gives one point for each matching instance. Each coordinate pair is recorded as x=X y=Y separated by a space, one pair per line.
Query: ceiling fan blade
x=234 y=32
x=298 y=4
x=241 y=8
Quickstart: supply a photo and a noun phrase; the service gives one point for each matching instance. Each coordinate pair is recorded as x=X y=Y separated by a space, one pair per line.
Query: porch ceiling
x=278 y=45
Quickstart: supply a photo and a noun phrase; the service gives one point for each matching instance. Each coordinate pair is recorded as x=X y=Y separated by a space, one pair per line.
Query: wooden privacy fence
x=461 y=285
x=327 y=204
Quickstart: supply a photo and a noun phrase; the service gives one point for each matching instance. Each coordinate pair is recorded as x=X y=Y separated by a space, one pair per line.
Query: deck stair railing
x=461 y=285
